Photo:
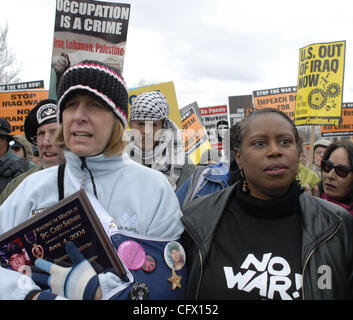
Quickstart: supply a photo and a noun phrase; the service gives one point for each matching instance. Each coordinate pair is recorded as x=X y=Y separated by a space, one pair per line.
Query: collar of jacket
x=218 y=173
x=99 y=165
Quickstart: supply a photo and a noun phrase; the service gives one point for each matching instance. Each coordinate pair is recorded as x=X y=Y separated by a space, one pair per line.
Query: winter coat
x=204 y=180
x=11 y=166
x=327 y=235
x=139 y=199
x=13 y=184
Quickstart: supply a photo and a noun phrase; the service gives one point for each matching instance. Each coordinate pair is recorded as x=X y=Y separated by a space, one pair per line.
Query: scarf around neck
x=346 y=205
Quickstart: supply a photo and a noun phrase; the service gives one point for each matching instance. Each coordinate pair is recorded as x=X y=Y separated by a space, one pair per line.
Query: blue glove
x=77 y=282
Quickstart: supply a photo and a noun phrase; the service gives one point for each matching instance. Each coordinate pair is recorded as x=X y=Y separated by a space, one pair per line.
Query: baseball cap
x=322 y=142
x=44 y=112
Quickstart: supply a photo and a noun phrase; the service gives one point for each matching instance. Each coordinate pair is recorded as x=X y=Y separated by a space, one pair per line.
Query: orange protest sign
x=194 y=134
x=15 y=105
x=279 y=98
x=345 y=128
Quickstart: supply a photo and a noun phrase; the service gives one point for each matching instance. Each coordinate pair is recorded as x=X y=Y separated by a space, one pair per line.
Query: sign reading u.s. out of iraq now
x=345 y=128
x=320 y=84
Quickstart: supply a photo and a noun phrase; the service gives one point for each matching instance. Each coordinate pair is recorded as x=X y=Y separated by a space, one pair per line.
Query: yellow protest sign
x=167 y=88
x=320 y=84
x=15 y=105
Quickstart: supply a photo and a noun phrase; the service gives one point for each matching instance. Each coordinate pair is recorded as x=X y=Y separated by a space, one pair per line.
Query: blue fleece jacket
x=140 y=200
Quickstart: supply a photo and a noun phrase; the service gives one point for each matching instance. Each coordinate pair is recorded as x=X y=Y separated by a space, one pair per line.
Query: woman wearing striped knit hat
x=92 y=113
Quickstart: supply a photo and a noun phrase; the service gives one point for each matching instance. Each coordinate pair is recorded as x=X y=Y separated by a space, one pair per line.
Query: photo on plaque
x=46 y=234
x=14 y=256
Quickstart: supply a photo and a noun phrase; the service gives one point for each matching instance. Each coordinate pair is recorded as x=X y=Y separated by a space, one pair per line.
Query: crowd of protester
x=263 y=224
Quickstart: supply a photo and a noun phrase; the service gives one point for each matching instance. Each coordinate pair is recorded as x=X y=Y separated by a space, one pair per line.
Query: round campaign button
x=132 y=254
x=150 y=264
x=139 y=291
x=174 y=255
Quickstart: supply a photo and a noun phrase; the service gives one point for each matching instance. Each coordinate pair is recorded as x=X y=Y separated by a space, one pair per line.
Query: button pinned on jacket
x=174 y=255
x=132 y=254
x=140 y=291
x=150 y=264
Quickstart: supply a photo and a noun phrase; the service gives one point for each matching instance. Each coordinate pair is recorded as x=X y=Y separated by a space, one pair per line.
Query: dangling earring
x=244 y=187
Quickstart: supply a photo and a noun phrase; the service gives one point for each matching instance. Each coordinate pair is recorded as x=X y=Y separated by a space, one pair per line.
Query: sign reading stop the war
x=15 y=105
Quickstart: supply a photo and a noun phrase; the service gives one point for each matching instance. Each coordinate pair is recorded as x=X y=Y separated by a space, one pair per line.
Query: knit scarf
x=167 y=156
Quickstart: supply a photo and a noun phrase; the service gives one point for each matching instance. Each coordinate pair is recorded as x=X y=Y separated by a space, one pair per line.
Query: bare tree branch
x=9 y=68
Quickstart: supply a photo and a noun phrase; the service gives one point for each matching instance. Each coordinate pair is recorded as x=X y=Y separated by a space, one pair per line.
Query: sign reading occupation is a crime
x=88 y=29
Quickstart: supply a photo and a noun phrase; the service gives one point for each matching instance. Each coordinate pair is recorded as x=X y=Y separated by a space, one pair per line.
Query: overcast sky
x=209 y=49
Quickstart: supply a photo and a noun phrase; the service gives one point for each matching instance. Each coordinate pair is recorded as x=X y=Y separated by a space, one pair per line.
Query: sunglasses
x=341 y=171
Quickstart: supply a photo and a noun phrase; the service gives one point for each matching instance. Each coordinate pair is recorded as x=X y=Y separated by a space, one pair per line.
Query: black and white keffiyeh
x=168 y=155
x=150 y=105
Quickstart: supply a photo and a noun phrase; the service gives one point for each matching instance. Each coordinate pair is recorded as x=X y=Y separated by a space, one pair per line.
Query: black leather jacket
x=327 y=240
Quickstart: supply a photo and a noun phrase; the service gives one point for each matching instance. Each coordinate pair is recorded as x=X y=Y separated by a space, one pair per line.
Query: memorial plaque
x=46 y=234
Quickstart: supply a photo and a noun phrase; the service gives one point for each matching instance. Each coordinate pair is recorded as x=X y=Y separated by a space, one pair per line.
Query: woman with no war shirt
x=264 y=237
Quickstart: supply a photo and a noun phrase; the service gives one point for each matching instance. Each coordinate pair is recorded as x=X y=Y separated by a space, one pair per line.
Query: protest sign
x=278 y=98
x=168 y=90
x=239 y=107
x=22 y=86
x=320 y=84
x=92 y=30
x=194 y=134
x=15 y=105
x=215 y=121
x=345 y=128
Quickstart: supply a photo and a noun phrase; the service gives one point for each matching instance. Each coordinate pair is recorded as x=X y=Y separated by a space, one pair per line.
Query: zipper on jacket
x=201 y=261
x=312 y=252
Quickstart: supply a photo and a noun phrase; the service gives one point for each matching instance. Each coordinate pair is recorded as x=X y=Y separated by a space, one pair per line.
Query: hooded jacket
x=327 y=235
x=140 y=200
